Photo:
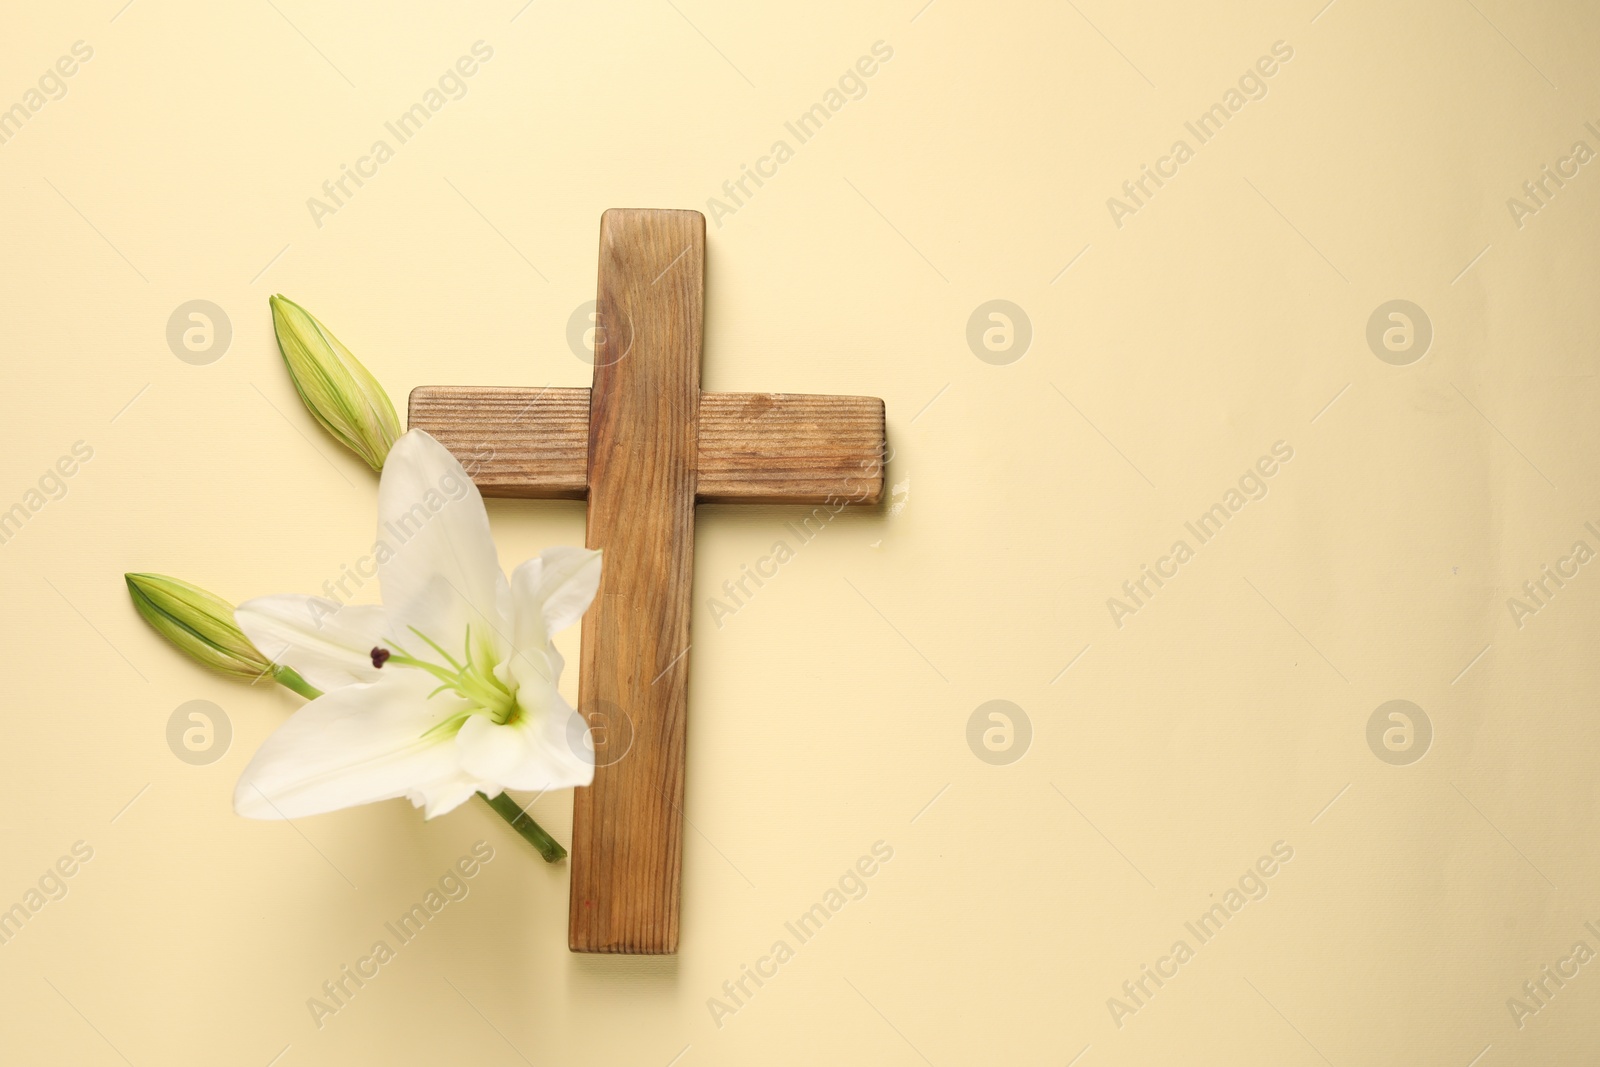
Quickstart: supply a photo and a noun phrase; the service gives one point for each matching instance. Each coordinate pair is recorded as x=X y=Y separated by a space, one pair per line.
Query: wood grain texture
x=627 y=828
x=774 y=448
x=526 y=443
x=790 y=448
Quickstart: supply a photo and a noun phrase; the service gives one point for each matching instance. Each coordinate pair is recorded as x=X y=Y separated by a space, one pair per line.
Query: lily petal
x=447 y=796
x=490 y=750
x=549 y=594
x=444 y=574
x=555 y=589
x=555 y=752
x=356 y=745
x=329 y=645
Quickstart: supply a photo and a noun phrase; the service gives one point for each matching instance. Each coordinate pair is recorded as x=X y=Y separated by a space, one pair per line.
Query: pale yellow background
x=827 y=714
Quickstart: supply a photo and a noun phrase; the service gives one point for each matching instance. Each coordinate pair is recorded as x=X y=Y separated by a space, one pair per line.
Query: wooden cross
x=644 y=445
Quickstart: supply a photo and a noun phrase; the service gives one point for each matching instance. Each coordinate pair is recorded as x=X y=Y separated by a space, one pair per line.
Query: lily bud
x=340 y=393
x=199 y=623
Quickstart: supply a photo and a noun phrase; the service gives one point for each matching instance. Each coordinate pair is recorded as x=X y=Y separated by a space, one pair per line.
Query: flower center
x=472 y=681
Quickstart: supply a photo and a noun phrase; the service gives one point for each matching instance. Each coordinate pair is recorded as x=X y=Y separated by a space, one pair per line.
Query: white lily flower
x=447 y=688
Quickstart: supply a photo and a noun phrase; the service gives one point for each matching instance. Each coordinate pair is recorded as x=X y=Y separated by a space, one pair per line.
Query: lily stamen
x=469 y=681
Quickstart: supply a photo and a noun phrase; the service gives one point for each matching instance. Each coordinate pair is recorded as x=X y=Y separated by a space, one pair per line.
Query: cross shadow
x=612 y=967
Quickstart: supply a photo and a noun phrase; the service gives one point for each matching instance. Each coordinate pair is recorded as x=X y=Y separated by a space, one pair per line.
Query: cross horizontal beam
x=776 y=448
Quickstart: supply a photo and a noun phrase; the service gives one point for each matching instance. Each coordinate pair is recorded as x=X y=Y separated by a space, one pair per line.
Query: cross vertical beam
x=643 y=416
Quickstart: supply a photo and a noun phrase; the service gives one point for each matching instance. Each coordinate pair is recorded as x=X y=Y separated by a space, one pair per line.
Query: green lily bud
x=340 y=393
x=199 y=623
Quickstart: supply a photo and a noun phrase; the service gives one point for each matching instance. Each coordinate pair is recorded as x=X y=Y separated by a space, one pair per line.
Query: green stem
x=289 y=678
x=504 y=806
x=512 y=812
